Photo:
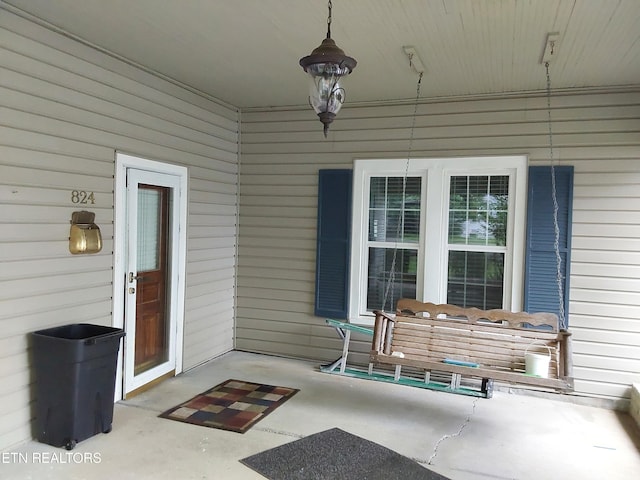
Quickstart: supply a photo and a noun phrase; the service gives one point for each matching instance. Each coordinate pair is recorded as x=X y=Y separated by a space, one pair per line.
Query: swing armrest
x=382 y=333
x=566 y=354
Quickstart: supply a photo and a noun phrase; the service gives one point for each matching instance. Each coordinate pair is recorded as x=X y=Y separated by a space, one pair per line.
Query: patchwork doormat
x=337 y=455
x=233 y=405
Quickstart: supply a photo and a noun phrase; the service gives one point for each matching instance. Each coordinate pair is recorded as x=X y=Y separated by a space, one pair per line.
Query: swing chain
x=556 y=228
x=389 y=291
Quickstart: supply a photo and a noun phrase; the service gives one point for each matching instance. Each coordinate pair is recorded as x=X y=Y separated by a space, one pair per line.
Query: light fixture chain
x=556 y=227
x=392 y=272
x=329 y=20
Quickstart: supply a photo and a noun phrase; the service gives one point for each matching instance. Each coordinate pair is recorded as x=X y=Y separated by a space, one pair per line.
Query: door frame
x=123 y=163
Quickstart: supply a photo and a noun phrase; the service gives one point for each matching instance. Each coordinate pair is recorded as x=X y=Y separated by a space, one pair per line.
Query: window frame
x=433 y=244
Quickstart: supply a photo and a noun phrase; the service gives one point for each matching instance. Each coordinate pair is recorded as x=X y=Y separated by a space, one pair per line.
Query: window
x=477 y=240
x=394 y=235
x=451 y=233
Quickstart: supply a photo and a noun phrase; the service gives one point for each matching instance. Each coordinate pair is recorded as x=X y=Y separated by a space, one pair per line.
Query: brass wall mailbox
x=85 y=235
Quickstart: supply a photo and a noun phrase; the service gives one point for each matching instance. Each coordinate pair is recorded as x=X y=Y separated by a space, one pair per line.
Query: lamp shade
x=326 y=66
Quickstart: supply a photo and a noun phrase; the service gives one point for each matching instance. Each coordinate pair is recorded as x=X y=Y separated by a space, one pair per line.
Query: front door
x=150 y=278
x=152 y=273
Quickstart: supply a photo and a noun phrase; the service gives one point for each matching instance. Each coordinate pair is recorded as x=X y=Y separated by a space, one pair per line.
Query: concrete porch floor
x=506 y=437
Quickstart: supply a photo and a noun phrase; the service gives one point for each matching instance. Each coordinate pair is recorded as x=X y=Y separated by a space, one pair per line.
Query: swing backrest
x=409 y=307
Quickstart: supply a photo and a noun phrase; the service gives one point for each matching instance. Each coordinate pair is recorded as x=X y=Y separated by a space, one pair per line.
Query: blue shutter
x=540 y=286
x=333 y=243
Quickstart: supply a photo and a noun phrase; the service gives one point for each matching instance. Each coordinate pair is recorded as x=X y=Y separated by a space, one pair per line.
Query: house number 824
x=80 y=196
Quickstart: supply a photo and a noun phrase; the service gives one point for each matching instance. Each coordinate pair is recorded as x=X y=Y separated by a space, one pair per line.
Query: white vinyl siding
x=66 y=109
x=597 y=132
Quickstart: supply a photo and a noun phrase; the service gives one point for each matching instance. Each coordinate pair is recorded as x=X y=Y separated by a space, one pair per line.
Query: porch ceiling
x=246 y=52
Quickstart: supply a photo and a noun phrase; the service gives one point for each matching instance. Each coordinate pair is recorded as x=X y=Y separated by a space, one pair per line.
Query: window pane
x=382 y=268
x=478 y=190
x=378 y=192
x=393 y=233
x=498 y=206
x=148 y=229
x=377 y=225
x=412 y=226
x=475 y=279
x=394 y=192
x=457 y=227
x=458 y=193
x=388 y=222
x=478 y=210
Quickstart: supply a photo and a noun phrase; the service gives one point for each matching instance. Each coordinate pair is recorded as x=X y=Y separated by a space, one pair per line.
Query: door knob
x=133 y=277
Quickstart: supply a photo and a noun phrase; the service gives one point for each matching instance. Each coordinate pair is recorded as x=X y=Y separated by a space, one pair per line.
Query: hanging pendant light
x=326 y=66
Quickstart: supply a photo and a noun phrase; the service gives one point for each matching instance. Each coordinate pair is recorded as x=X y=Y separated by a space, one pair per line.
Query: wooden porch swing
x=464 y=350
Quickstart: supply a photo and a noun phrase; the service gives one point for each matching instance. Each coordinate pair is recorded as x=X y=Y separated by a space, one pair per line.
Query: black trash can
x=75 y=370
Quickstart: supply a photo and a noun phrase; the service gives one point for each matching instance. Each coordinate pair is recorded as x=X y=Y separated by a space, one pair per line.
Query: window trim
x=436 y=173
